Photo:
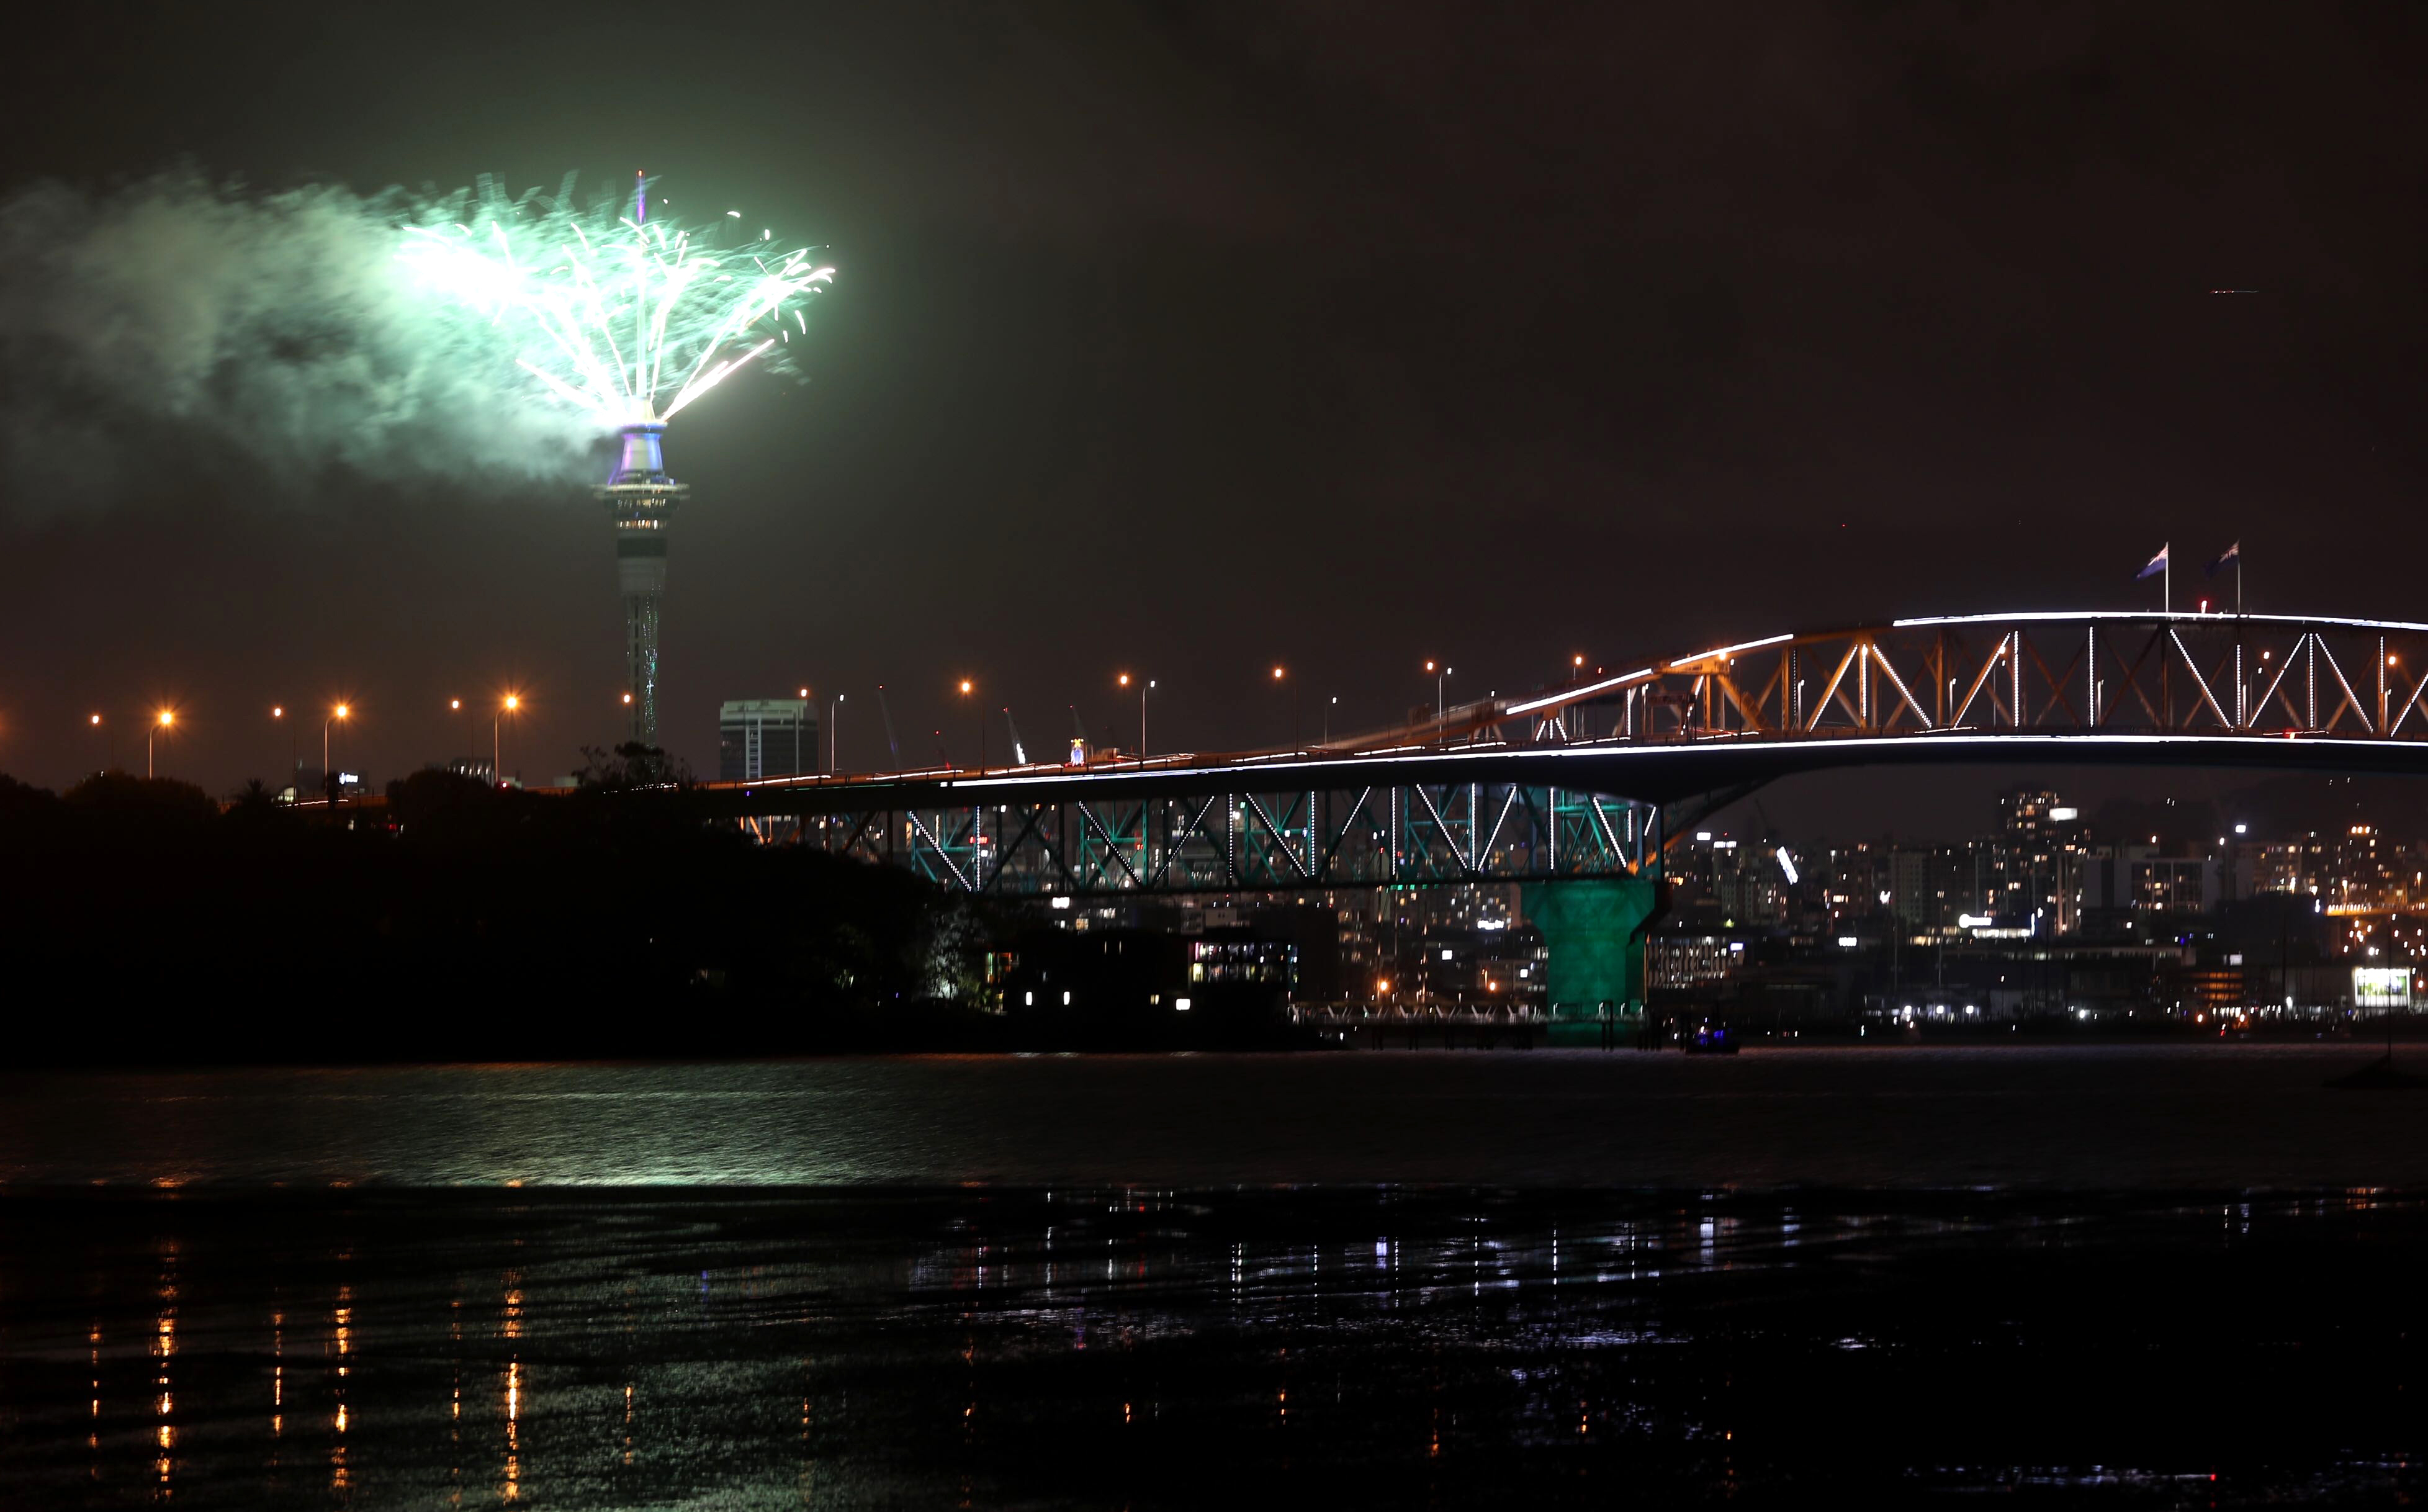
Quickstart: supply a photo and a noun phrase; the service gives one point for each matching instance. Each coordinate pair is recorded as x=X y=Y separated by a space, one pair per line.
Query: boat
x=1712 y=1039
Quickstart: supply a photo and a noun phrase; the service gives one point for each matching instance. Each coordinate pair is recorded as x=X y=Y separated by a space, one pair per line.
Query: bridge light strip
x=1730 y=651
x=1573 y=695
x=1623 y=752
x=2081 y=615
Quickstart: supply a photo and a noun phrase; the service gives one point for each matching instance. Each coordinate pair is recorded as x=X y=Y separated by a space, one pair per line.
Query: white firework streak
x=625 y=320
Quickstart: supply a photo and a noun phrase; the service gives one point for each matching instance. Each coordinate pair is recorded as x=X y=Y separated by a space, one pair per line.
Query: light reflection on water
x=1125 y=1347
x=2213 y=1117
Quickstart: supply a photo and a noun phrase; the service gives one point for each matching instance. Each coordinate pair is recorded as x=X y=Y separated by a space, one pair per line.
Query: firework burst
x=625 y=317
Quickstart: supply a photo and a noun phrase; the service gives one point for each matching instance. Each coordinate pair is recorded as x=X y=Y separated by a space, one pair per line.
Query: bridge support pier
x=1593 y=929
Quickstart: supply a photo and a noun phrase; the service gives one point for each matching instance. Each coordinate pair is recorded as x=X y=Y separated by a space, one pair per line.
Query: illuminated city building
x=2135 y=879
x=759 y=738
x=2359 y=871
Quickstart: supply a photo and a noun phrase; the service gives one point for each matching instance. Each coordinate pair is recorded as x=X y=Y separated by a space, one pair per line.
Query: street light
x=1441 y=675
x=969 y=687
x=497 y=742
x=834 y=723
x=1145 y=686
x=294 y=752
x=1279 y=678
x=166 y=719
x=1335 y=703
x=328 y=778
x=109 y=756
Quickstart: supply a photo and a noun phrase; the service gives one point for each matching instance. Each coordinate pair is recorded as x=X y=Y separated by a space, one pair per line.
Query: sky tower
x=640 y=500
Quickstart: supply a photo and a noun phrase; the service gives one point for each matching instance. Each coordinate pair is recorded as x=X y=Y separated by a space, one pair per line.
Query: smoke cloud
x=177 y=324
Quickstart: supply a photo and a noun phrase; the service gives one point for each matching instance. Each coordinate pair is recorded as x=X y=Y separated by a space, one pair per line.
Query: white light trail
x=1730 y=650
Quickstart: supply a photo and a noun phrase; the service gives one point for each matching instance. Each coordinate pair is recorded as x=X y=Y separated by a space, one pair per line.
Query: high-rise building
x=2297 y=866
x=2026 y=879
x=1930 y=887
x=759 y=738
x=1857 y=881
x=2359 y=870
x=2139 y=880
x=2027 y=815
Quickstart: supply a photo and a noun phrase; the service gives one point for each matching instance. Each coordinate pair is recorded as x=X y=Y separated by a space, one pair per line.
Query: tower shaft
x=641 y=499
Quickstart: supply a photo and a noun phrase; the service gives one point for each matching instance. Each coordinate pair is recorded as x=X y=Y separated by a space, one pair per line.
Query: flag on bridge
x=2232 y=554
x=2158 y=565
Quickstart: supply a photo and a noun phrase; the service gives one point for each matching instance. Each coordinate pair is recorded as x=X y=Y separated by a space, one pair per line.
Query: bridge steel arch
x=2257 y=690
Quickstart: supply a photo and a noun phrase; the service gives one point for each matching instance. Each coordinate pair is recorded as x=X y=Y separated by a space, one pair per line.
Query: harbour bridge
x=1577 y=790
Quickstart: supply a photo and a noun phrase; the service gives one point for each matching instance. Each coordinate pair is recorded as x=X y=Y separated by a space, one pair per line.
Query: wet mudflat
x=1126 y=1348
x=854 y=1284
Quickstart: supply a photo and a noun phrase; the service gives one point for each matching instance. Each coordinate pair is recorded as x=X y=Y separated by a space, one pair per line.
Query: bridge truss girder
x=2251 y=692
x=1256 y=839
x=2084 y=673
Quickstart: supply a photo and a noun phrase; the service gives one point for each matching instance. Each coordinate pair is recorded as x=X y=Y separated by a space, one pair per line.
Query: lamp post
x=329 y=777
x=294 y=751
x=166 y=719
x=1145 y=685
x=497 y=740
x=1441 y=675
x=835 y=737
x=109 y=756
x=968 y=688
x=1279 y=679
x=1332 y=704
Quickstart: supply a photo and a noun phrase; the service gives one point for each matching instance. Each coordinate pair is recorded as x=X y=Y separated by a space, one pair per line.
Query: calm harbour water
x=2126 y=1276
x=2210 y=1117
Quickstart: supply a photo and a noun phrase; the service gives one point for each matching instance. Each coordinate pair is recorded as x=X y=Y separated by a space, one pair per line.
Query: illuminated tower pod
x=641 y=499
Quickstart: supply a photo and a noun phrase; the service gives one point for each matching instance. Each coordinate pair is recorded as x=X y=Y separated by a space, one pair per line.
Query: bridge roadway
x=2276 y=693
x=1657 y=770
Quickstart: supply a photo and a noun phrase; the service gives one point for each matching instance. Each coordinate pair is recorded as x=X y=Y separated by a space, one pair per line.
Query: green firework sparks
x=627 y=319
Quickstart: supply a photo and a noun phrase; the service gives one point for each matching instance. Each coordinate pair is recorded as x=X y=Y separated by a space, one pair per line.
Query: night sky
x=1185 y=341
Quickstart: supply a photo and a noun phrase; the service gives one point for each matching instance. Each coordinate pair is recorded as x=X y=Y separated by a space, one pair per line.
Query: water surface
x=2116 y=1118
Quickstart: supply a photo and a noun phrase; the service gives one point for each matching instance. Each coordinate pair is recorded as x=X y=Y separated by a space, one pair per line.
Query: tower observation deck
x=641 y=499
